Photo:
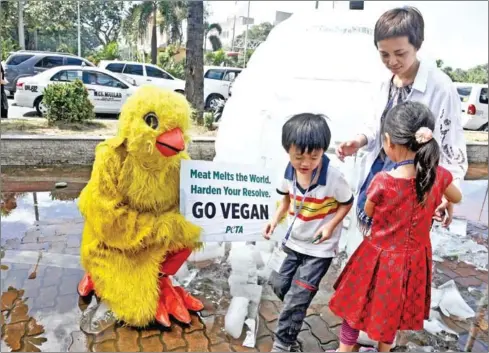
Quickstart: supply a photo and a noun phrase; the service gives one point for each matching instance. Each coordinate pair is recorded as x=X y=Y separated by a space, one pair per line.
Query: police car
x=107 y=90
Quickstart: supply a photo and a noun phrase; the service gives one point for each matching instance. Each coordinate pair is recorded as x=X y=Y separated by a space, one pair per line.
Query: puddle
x=41 y=231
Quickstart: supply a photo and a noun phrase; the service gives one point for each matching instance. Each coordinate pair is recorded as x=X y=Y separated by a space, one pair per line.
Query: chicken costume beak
x=170 y=143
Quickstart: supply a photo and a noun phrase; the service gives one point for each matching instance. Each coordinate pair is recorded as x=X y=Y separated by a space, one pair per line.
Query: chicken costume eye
x=151 y=120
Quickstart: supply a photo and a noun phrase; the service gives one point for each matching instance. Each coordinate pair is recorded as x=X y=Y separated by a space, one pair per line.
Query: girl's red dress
x=386 y=284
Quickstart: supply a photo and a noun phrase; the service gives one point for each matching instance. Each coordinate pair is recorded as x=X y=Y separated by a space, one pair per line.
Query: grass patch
x=105 y=127
x=26 y=125
x=42 y=126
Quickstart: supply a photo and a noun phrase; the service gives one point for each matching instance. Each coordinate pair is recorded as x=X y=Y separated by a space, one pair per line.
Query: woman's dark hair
x=307 y=132
x=401 y=22
x=401 y=123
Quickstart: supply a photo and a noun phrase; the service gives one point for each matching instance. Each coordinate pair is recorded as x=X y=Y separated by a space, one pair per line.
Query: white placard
x=231 y=202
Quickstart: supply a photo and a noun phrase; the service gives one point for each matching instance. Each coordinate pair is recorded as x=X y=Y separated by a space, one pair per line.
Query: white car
x=144 y=73
x=474 y=105
x=107 y=91
x=217 y=80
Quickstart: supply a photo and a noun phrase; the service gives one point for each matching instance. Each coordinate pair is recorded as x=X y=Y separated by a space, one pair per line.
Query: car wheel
x=40 y=107
x=180 y=91
x=213 y=100
x=484 y=127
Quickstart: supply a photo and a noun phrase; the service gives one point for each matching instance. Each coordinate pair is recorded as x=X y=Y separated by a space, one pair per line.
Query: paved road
x=15 y=112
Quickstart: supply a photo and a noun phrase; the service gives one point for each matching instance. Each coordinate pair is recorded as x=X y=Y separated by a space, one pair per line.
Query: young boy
x=316 y=198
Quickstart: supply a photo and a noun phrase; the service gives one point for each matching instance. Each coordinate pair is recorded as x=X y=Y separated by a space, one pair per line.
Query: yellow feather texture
x=131 y=207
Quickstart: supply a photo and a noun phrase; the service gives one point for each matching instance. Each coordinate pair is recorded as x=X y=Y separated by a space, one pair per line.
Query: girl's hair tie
x=423 y=135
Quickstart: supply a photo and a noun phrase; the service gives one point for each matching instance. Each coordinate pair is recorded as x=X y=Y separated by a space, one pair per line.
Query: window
x=73 y=61
x=214 y=74
x=483 y=96
x=464 y=93
x=157 y=73
x=101 y=79
x=50 y=61
x=131 y=69
x=18 y=59
x=231 y=76
x=66 y=76
x=115 y=67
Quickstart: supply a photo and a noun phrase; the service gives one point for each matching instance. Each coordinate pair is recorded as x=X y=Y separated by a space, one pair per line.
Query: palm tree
x=210 y=33
x=136 y=23
x=194 y=66
x=163 y=14
x=173 y=13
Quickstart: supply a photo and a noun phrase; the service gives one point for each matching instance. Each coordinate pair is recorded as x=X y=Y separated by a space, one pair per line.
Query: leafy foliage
x=257 y=32
x=108 y=52
x=208 y=120
x=52 y=25
x=477 y=74
x=68 y=102
x=212 y=33
x=167 y=62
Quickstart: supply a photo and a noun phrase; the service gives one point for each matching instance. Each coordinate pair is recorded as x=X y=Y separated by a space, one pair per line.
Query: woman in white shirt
x=398 y=35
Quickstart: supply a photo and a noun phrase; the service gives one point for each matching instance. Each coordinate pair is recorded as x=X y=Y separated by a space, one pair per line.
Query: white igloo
x=315 y=61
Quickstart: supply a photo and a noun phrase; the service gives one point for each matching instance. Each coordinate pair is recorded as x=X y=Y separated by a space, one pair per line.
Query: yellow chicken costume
x=134 y=236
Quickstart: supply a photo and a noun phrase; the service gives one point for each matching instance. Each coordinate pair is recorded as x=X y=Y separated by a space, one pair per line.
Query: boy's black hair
x=308 y=132
x=401 y=123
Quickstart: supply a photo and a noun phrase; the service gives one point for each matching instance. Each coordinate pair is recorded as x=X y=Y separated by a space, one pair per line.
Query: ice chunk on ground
x=184 y=275
x=243 y=267
x=454 y=242
x=436 y=327
x=235 y=316
x=413 y=347
x=209 y=252
x=97 y=317
x=250 y=339
x=451 y=303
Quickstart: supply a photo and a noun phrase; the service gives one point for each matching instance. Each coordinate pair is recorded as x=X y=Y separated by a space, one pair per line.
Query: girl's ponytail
x=426 y=161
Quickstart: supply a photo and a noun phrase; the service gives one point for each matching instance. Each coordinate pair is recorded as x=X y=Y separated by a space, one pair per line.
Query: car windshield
x=464 y=93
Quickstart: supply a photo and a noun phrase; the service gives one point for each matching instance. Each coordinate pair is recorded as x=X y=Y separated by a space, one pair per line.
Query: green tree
x=212 y=32
x=104 y=18
x=478 y=74
x=167 y=16
x=52 y=25
x=257 y=32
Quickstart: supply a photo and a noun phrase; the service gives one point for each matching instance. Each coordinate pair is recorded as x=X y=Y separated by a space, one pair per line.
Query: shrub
x=68 y=102
x=208 y=120
x=167 y=62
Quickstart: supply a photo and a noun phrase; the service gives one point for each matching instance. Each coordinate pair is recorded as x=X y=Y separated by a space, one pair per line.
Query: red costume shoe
x=86 y=286
x=175 y=301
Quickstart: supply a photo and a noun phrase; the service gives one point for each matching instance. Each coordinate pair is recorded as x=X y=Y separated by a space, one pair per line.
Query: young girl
x=386 y=284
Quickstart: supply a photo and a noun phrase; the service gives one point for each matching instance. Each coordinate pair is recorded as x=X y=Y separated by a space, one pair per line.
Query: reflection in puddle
x=21 y=332
x=46 y=274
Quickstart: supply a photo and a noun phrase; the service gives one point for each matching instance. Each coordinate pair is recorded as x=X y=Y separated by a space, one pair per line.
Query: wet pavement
x=41 y=310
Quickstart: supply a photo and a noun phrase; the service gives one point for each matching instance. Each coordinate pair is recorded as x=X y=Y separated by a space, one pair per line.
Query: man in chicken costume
x=134 y=236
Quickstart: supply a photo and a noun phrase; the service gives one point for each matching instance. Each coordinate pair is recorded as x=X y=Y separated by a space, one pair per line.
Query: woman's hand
x=349 y=148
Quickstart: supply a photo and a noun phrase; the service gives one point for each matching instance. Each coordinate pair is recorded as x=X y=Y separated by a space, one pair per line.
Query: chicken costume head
x=134 y=237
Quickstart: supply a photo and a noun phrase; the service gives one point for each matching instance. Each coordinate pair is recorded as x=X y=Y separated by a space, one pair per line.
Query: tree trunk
x=154 y=44
x=194 y=67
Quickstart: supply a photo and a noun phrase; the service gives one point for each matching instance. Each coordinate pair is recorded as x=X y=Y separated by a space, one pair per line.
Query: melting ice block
x=449 y=300
x=235 y=317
